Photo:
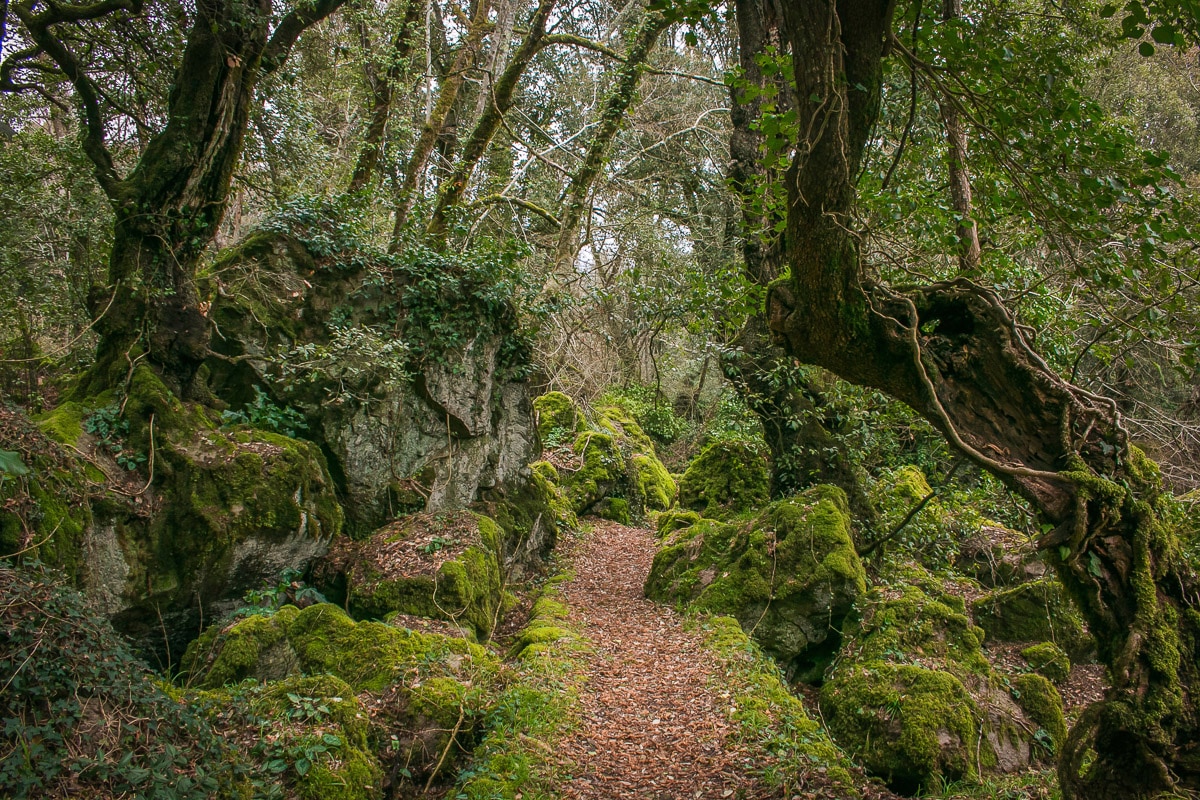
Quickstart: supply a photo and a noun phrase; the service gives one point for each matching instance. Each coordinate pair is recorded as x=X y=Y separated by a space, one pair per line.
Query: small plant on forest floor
x=290 y=588
x=262 y=413
x=110 y=430
x=436 y=544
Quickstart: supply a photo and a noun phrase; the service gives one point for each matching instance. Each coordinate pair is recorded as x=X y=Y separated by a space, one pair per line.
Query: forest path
x=652 y=725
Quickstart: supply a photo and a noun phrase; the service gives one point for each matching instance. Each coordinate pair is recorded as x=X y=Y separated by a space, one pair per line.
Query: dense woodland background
x=364 y=236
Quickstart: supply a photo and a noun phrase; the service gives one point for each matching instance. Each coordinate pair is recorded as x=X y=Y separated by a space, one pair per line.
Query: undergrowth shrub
x=80 y=716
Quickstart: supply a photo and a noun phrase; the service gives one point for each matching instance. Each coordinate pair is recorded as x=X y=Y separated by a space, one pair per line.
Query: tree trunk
x=955 y=354
x=382 y=87
x=432 y=129
x=499 y=101
x=960 y=174
x=629 y=75
x=803 y=451
x=168 y=209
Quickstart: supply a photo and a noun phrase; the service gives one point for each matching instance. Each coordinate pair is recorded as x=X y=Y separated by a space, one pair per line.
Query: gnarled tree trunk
x=955 y=354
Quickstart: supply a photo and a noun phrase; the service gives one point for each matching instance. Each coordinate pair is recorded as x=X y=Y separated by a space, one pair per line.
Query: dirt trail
x=652 y=726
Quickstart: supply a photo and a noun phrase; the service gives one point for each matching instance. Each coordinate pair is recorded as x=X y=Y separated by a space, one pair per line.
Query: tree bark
x=954 y=353
x=960 y=174
x=803 y=450
x=382 y=87
x=169 y=207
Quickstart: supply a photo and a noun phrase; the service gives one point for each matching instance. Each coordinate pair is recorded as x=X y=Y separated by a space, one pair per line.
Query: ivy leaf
x=11 y=463
x=1146 y=49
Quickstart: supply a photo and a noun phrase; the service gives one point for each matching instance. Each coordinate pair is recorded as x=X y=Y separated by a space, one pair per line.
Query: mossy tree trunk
x=169 y=206
x=629 y=75
x=786 y=401
x=955 y=354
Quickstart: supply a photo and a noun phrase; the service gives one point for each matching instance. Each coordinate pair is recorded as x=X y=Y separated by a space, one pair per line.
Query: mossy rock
x=1042 y=704
x=726 y=479
x=431 y=680
x=558 y=418
x=601 y=472
x=676 y=519
x=1038 y=611
x=615 y=473
x=914 y=727
x=1049 y=660
x=915 y=619
x=442 y=566
x=790 y=576
x=911 y=640
x=655 y=485
x=307 y=710
x=531 y=516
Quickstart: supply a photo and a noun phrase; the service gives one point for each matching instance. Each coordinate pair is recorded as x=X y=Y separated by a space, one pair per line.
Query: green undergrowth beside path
x=798 y=754
x=537 y=707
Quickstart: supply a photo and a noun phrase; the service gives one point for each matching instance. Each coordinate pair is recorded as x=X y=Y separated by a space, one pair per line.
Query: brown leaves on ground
x=652 y=728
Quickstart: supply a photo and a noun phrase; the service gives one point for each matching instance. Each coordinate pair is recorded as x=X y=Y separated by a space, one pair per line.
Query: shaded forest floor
x=655 y=722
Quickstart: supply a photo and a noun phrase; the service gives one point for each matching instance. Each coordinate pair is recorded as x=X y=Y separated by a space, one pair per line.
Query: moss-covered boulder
x=407 y=369
x=610 y=469
x=442 y=566
x=727 y=478
x=914 y=696
x=1043 y=705
x=419 y=687
x=909 y=725
x=531 y=515
x=558 y=419
x=1037 y=611
x=789 y=576
x=175 y=515
x=1049 y=660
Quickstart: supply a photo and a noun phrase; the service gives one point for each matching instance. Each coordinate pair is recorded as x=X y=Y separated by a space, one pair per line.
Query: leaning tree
x=953 y=352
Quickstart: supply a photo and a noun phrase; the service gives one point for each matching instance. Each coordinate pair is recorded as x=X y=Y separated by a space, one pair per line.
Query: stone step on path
x=652 y=726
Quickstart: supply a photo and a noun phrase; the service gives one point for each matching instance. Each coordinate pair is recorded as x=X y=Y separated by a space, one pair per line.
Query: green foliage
x=653 y=414
x=262 y=413
x=111 y=429
x=80 y=714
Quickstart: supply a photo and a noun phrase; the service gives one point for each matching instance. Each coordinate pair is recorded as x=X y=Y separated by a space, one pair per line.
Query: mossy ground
x=1037 y=611
x=536 y=707
x=770 y=716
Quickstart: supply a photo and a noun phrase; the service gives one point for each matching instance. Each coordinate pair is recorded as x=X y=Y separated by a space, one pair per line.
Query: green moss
x=539 y=705
x=601 y=474
x=558 y=418
x=726 y=478
x=65 y=423
x=1041 y=702
x=912 y=726
x=769 y=716
x=371 y=655
x=466 y=588
x=621 y=425
x=254 y=647
x=356 y=776
x=655 y=484
x=676 y=519
x=791 y=574
x=1049 y=660
x=1034 y=612
x=918 y=625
